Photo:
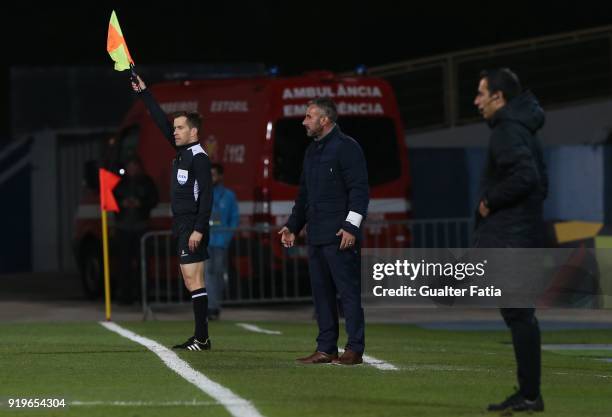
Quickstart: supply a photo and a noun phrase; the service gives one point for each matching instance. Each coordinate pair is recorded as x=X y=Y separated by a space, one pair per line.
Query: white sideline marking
x=257 y=329
x=235 y=405
x=193 y=403
x=574 y=374
x=578 y=346
x=376 y=363
x=582 y=346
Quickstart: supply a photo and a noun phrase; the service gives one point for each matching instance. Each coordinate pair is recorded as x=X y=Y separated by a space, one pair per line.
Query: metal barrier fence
x=260 y=270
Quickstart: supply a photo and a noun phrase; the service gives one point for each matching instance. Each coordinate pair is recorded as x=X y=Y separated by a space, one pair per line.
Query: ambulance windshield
x=376 y=135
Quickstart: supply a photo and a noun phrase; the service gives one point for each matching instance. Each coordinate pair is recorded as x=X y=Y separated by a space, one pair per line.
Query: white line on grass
x=581 y=346
x=257 y=329
x=578 y=346
x=193 y=403
x=576 y=374
x=237 y=406
x=376 y=363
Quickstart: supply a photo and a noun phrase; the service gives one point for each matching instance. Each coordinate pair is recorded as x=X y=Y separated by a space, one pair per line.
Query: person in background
x=224 y=216
x=136 y=195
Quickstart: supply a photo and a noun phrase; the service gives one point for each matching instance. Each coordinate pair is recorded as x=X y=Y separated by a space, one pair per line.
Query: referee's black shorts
x=183 y=228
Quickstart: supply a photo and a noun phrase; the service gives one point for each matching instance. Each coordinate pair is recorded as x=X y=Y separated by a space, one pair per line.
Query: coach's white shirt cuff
x=354 y=218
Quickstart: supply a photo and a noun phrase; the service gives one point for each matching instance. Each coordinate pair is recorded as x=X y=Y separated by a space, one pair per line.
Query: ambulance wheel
x=91 y=272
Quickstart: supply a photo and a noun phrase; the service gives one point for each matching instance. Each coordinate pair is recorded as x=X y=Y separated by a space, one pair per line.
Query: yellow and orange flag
x=116 y=46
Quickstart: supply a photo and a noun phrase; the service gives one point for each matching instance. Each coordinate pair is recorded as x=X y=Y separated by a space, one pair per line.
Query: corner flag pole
x=108 y=181
x=106 y=267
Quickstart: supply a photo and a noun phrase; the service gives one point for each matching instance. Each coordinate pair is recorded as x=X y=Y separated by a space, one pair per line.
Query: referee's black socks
x=199 y=299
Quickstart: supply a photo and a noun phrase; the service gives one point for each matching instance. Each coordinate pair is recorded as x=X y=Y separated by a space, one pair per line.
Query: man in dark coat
x=333 y=200
x=137 y=196
x=509 y=214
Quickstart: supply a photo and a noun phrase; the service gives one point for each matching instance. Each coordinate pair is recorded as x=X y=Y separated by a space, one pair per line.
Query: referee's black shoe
x=517 y=403
x=194 y=344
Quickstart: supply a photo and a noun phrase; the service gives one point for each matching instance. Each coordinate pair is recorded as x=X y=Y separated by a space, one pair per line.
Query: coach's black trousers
x=526 y=341
x=334 y=271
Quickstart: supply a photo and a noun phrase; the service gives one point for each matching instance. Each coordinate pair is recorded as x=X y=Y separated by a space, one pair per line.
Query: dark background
x=295 y=36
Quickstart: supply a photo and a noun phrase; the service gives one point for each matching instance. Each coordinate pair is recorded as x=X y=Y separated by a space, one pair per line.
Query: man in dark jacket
x=509 y=213
x=137 y=195
x=333 y=200
x=191 y=198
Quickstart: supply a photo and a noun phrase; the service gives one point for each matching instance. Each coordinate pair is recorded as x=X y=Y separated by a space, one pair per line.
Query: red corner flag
x=108 y=181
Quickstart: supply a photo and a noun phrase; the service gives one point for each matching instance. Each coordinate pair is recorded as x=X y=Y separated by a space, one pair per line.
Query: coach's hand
x=287 y=238
x=348 y=240
x=194 y=240
x=483 y=209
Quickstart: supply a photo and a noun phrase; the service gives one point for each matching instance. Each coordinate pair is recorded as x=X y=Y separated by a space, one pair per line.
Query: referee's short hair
x=327 y=107
x=194 y=119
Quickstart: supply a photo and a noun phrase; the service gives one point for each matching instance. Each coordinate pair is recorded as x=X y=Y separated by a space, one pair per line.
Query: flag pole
x=108 y=181
x=106 y=268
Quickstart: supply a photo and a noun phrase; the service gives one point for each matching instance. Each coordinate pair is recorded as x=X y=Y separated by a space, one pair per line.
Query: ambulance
x=253 y=127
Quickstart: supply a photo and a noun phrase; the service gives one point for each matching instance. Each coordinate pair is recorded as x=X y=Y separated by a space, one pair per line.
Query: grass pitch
x=441 y=373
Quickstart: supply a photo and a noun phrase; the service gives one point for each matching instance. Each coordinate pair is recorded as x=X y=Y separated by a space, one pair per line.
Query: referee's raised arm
x=157 y=113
